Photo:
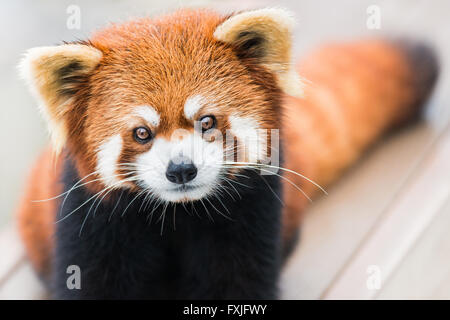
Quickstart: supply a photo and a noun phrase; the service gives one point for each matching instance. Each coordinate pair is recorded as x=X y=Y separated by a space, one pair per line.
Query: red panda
x=135 y=115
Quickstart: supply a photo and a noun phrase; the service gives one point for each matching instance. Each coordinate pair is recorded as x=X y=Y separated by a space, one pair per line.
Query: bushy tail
x=424 y=69
x=355 y=92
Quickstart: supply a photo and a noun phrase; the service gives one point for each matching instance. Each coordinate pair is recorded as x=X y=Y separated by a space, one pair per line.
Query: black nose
x=181 y=170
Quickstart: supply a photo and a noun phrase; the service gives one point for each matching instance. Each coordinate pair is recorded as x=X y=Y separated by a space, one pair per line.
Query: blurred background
x=381 y=233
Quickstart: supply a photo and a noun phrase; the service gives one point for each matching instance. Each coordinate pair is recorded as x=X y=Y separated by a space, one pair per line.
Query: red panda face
x=152 y=105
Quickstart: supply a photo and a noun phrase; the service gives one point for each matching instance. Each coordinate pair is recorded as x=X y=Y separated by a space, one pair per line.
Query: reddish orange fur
x=36 y=219
x=357 y=91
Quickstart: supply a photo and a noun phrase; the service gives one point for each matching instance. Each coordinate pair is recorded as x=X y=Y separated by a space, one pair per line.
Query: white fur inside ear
x=275 y=27
x=42 y=59
x=267 y=17
x=107 y=159
x=39 y=68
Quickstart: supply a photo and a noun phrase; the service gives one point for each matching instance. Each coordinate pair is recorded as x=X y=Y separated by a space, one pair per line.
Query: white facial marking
x=192 y=105
x=250 y=136
x=206 y=156
x=107 y=157
x=149 y=114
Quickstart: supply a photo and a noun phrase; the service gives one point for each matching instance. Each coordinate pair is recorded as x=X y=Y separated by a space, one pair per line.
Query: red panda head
x=147 y=104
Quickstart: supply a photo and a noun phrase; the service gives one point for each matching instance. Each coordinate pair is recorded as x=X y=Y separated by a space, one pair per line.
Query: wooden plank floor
x=391 y=211
x=17 y=279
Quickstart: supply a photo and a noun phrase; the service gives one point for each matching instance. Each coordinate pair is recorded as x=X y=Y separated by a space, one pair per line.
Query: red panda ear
x=264 y=34
x=54 y=75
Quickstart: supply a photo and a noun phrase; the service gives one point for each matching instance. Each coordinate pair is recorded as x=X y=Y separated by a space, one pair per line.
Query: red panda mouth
x=185 y=188
x=185 y=192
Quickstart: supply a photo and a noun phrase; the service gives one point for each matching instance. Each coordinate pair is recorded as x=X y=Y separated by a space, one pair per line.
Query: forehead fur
x=162 y=62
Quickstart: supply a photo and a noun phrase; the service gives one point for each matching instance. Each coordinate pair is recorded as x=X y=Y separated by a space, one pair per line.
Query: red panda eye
x=208 y=122
x=142 y=135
